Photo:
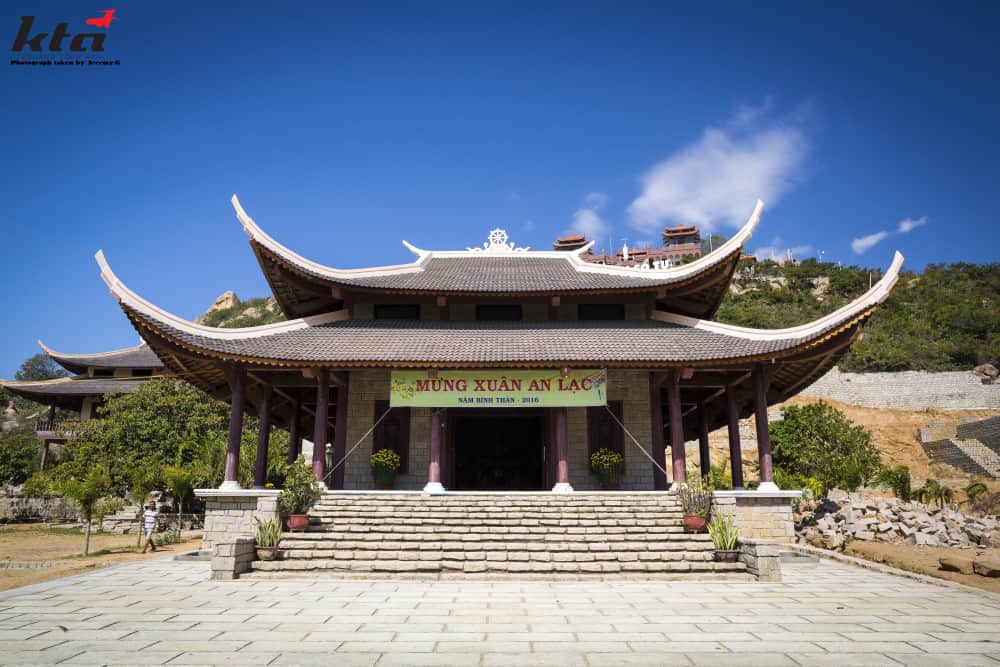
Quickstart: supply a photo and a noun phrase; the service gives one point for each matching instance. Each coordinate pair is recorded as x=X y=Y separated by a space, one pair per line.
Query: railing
x=48 y=426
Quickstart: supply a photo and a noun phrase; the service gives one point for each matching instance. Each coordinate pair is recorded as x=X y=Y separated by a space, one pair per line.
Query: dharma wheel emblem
x=497 y=242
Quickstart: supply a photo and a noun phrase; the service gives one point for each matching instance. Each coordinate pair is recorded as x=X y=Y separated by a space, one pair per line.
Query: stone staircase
x=516 y=534
x=981 y=454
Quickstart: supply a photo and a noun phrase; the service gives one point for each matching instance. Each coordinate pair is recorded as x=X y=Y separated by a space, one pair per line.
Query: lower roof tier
x=68 y=393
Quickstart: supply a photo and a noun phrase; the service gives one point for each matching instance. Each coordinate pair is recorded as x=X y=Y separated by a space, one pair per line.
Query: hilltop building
x=680 y=244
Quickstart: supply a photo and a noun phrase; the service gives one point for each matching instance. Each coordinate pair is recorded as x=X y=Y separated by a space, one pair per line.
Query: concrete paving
x=167 y=612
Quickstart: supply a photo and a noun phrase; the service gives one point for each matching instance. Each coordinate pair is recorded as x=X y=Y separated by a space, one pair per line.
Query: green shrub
x=385 y=464
x=608 y=465
x=723 y=533
x=696 y=497
x=819 y=441
x=268 y=533
x=169 y=536
x=897 y=479
x=301 y=489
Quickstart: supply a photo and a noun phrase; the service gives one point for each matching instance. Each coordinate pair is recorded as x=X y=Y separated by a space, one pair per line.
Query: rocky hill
x=228 y=311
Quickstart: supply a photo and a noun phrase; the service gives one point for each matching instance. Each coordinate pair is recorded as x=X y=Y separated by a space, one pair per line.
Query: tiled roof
x=501 y=274
x=75 y=387
x=140 y=356
x=415 y=342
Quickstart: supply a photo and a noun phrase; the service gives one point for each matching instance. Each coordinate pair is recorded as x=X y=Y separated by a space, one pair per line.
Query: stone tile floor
x=166 y=612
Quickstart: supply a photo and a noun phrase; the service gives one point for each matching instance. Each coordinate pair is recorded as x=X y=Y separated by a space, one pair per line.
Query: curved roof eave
x=655 y=277
x=127 y=297
x=878 y=293
x=80 y=362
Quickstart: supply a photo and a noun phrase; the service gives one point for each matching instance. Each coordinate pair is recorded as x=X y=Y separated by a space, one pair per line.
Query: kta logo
x=25 y=38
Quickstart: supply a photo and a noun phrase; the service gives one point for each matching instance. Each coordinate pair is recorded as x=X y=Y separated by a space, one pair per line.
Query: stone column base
x=760 y=515
x=233 y=514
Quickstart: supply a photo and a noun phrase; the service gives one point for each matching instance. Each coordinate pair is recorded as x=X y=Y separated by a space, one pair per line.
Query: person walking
x=150 y=517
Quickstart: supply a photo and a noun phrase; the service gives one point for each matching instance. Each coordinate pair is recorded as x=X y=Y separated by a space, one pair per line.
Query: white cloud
x=717 y=179
x=866 y=243
x=528 y=225
x=909 y=224
x=587 y=222
x=595 y=200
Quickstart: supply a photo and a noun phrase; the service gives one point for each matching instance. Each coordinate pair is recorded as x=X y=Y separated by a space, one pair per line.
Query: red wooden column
x=562 y=452
x=434 y=454
x=263 y=437
x=706 y=461
x=735 y=453
x=763 y=432
x=656 y=426
x=676 y=427
x=320 y=426
x=237 y=376
x=294 y=434
x=340 y=436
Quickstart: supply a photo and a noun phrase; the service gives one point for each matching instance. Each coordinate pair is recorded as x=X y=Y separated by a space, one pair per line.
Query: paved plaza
x=167 y=612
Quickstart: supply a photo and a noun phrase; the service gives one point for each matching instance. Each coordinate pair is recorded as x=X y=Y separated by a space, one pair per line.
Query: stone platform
x=576 y=534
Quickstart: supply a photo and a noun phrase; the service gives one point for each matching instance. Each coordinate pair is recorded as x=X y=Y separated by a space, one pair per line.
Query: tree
x=19 y=456
x=817 y=440
x=86 y=493
x=39 y=367
x=180 y=482
x=897 y=479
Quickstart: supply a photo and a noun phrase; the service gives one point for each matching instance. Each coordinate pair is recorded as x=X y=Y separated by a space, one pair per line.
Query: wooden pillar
x=706 y=461
x=45 y=443
x=294 y=434
x=562 y=452
x=237 y=376
x=263 y=437
x=735 y=453
x=763 y=433
x=340 y=436
x=676 y=427
x=320 y=426
x=434 y=454
x=52 y=415
x=45 y=454
x=656 y=426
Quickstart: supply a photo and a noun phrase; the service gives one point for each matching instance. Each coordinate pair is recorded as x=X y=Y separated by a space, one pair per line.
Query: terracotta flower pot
x=611 y=487
x=383 y=486
x=297 y=523
x=695 y=523
x=726 y=556
x=267 y=553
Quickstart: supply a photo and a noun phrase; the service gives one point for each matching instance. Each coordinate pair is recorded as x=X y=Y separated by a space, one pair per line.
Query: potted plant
x=608 y=466
x=696 y=501
x=299 y=494
x=385 y=464
x=268 y=537
x=724 y=538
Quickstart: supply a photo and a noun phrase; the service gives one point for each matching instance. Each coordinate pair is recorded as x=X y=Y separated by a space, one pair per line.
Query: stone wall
x=15 y=506
x=760 y=515
x=910 y=390
x=233 y=514
x=630 y=387
x=763 y=559
x=231 y=559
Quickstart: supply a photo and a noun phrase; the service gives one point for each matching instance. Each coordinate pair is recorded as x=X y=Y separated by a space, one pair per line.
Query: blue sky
x=345 y=129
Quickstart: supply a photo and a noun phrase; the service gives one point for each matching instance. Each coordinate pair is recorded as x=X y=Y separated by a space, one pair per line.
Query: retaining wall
x=909 y=390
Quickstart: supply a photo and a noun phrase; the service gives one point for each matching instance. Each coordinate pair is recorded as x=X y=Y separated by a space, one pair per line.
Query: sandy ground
x=37 y=543
x=924 y=560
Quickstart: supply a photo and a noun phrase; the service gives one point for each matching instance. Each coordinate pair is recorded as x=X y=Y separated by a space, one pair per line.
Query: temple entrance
x=498 y=452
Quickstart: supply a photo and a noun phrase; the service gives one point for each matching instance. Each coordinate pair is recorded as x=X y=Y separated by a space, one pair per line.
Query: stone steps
x=582 y=534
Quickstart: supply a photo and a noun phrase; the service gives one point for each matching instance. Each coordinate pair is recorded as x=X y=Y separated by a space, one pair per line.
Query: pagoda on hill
x=498 y=367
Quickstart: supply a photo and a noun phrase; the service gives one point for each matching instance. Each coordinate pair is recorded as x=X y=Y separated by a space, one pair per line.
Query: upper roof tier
x=139 y=356
x=304 y=287
x=68 y=393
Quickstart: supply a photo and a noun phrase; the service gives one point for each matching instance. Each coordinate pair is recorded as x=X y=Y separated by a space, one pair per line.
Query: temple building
x=681 y=243
x=94 y=376
x=498 y=367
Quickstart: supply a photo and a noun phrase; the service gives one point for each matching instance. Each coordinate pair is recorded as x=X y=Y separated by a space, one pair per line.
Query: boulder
x=986 y=568
x=956 y=564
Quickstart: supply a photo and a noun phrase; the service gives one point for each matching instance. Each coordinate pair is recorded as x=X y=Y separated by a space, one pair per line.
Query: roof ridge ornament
x=496 y=242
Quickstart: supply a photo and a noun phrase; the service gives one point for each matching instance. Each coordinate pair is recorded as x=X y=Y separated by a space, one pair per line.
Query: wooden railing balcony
x=47 y=426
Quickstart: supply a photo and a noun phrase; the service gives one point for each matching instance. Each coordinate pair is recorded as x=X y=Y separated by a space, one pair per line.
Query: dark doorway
x=499 y=453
